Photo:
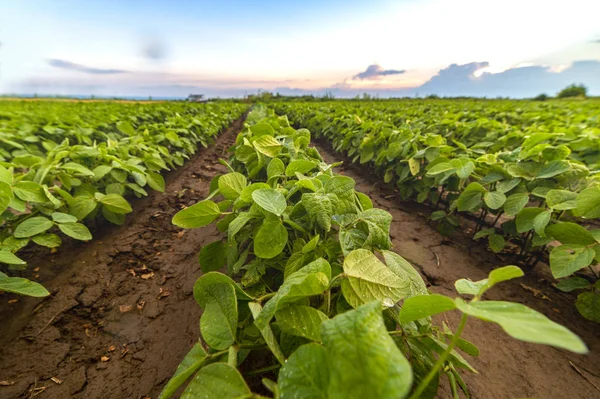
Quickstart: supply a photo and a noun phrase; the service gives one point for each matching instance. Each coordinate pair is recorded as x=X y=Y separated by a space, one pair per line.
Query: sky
x=515 y=48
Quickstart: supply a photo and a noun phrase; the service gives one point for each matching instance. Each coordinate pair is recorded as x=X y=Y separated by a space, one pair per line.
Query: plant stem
x=266 y=296
x=335 y=279
x=263 y=370
x=327 y=298
x=440 y=362
x=232 y=359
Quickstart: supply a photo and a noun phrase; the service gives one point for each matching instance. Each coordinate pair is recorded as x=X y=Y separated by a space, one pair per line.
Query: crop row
x=63 y=164
x=305 y=296
x=528 y=173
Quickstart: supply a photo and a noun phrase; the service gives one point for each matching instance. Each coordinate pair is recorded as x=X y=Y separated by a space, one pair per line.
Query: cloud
x=376 y=71
x=64 y=64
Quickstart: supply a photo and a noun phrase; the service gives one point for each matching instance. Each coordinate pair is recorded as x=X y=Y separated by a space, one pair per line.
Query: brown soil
x=122 y=315
x=507 y=368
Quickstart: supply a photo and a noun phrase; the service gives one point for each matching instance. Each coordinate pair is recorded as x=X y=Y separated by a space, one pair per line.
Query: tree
x=541 y=97
x=573 y=91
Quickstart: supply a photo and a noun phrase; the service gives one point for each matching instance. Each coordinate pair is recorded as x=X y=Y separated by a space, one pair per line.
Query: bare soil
x=122 y=314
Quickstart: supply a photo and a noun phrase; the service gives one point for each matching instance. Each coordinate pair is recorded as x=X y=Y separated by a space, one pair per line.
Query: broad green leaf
x=367 y=279
x=523 y=323
x=439 y=168
x=484 y=233
x=524 y=219
x=156 y=181
x=74 y=167
x=217 y=381
x=198 y=215
x=101 y=171
x=77 y=231
x=494 y=199
x=299 y=166
x=383 y=373
x=60 y=217
x=568 y=258
x=561 y=199
x=305 y=374
x=570 y=233
x=573 y=283
x=6 y=175
x=468 y=287
x=10 y=259
x=246 y=194
x=218 y=323
x=588 y=304
x=266 y=332
x=421 y=306
x=115 y=203
x=30 y=191
x=267 y=145
x=270 y=240
x=403 y=269
x=231 y=185
x=270 y=200
x=414 y=166
x=588 y=203
x=13 y=244
x=311 y=245
x=552 y=169
x=478 y=288
x=47 y=240
x=364 y=200
x=32 y=226
x=275 y=168
x=126 y=128
x=6 y=196
x=515 y=203
x=212 y=256
x=22 y=286
x=540 y=222
x=260 y=129
x=496 y=242
x=470 y=198
x=188 y=366
x=310 y=280
x=302 y=321
x=320 y=208
x=82 y=206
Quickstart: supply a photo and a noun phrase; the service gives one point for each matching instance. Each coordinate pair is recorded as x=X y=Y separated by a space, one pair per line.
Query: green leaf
x=468 y=287
x=422 y=306
x=270 y=240
x=32 y=226
x=414 y=165
x=246 y=194
x=567 y=259
x=310 y=280
x=198 y=215
x=218 y=323
x=30 y=191
x=365 y=201
x=275 y=168
x=515 y=203
x=311 y=245
x=22 y=286
x=441 y=167
x=588 y=203
x=126 y=128
x=320 y=208
x=77 y=169
x=470 y=198
x=523 y=323
x=60 y=217
x=494 y=199
x=572 y=284
x=305 y=374
x=552 y=169
x=524 y=219
x=10 y=259
x=267 y=145
x=561 y=199
x=231 y=185
x=383 y=373
x=478 y=288
x=570 y=233
x=47 y=240
x=156 y=181
x=115 y=203
x=540 y=222
x=588 y=304
x=212 y=256
x=188 y=366
x=101 y=171
x=496 y=242
x=405 y=271
x=299 y=166
x=270 y=200
x=367 y=279
x=302 y=321
x=82 y=206
x=217 y=381
x=266 y=332
x=77 y=231
x=260 y=129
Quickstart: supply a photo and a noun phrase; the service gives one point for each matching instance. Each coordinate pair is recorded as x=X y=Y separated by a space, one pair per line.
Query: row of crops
x=63 y=164
x=303 y=297
x=527 y=171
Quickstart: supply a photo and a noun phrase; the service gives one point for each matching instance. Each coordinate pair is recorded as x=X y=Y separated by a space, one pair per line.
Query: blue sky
x=228 y=48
